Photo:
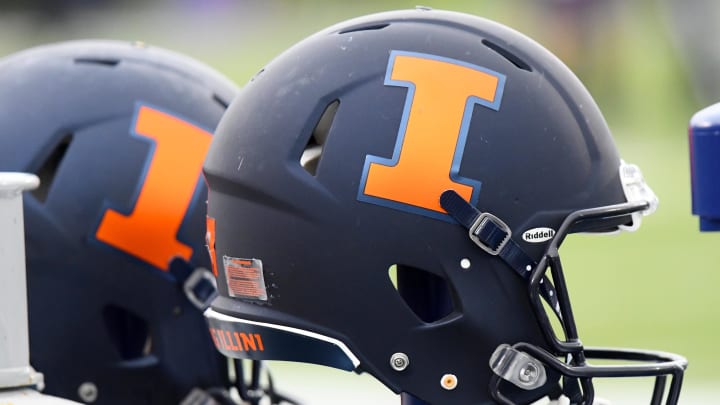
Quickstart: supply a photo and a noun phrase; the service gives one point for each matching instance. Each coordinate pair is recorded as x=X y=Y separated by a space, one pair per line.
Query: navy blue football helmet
x=118 y=274
x=389 y=196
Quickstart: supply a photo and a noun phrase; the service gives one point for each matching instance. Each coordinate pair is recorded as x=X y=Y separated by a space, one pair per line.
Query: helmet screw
x=528 y=374
x=449 y=381
x=88 y=392
x=399 y=361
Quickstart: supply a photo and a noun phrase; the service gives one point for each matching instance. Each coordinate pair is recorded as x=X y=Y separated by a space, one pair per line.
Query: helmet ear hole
x=428 y=295
x=128 y=332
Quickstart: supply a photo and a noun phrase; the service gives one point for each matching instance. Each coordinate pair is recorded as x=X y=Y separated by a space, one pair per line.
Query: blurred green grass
x=656 y=288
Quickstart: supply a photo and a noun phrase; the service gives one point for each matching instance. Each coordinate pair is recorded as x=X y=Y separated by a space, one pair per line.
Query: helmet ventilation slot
x=46 y=172
x=224 y=104
x=428 y=295
x=371 y=27
x=98 y=61
x=511 y=57
x=557 y=327
x=310 y=158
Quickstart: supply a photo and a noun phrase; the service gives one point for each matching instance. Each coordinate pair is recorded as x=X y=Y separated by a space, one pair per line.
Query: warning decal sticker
x=245 y=278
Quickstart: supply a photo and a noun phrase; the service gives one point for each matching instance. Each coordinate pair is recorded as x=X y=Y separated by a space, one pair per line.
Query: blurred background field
x=649 y=63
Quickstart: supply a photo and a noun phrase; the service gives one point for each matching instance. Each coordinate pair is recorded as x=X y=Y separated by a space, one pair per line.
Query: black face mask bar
x=576 y=371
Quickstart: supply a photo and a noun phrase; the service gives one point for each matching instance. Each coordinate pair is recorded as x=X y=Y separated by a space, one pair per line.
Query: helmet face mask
x=566 y=341
x=331 y=168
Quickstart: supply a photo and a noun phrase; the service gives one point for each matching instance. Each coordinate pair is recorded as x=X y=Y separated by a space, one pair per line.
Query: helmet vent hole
x=372 y=27
x=98 y=61
x=310 y=158
x=261 y=71
x=128 y=332
x=224 y=104
x=426 y=294
x=514 y=59
x=46 y=172
x=556 y=325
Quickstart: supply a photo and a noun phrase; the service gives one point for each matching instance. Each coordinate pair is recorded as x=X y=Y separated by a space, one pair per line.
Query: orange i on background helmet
x=117 y=268
x=389 y=196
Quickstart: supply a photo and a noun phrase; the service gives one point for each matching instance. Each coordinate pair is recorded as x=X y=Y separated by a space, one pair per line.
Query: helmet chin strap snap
x=519 y=368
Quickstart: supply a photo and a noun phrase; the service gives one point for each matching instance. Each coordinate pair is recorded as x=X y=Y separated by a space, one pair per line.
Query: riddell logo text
x=537 y=235
x=237 y=341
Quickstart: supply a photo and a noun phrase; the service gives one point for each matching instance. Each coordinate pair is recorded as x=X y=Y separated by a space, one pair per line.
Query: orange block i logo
x=442 y=93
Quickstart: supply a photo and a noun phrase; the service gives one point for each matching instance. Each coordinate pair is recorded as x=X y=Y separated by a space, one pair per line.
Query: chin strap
x=252 y=393
x=493 y=236
x=200 y=288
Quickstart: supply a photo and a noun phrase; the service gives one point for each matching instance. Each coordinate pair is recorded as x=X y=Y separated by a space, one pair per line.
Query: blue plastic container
x=704 y=137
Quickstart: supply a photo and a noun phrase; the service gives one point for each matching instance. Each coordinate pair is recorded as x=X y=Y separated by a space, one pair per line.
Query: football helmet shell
x=389 y=196
x=117 y=133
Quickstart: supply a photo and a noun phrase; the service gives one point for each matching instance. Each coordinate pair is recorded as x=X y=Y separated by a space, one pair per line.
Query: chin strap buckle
x=200 y=288
x=519 y=368
x=490 y=233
